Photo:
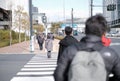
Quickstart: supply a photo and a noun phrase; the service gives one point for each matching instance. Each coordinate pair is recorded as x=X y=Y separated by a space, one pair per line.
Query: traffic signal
x=44 y=19
x=111 y=7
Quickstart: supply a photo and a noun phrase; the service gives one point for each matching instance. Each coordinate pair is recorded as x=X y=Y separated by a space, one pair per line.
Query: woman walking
x=49 y=45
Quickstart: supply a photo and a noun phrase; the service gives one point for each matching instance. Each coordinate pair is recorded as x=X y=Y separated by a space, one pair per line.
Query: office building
x=111 y=11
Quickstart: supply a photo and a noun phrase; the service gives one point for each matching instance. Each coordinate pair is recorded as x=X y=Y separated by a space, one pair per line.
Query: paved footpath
x=24 y=48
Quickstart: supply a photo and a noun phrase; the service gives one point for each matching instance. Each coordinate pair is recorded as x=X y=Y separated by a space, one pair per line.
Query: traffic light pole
x=72 y=16
x=31 y=29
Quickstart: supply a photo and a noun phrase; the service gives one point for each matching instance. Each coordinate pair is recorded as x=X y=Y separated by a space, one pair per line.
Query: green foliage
x=5 y=37
x=4 y=43
x=39 y=28
x=55 y=27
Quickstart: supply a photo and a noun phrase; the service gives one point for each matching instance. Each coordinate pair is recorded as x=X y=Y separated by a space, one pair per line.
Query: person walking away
x=40 y=39
x=49 y=45
x=90 y=68
x=66 y=41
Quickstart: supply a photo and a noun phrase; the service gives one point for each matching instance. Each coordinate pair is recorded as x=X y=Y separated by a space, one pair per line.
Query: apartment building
x=112 y=15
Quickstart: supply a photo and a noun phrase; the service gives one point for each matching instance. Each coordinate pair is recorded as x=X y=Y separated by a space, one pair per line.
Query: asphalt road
x=116 y=45
x=10 y=64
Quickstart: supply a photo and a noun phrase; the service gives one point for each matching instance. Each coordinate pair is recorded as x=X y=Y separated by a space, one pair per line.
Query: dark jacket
x=111 y=58
x=40 y=39
x=64 y=43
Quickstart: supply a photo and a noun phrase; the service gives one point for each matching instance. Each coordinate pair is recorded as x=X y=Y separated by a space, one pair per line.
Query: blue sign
x=64 y=25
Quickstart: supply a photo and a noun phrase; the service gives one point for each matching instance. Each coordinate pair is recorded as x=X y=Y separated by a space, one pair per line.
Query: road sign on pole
x=41 y=14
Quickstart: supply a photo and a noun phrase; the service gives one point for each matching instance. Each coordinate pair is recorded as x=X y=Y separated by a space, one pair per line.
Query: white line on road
x=114 y=44
x=41 y=66
x=47 y=78
x=35 y=73
x=43 y=63
x=36 y=69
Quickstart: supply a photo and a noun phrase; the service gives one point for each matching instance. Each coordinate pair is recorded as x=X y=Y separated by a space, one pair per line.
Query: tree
x=25 y=23
x=18 y=19
x=39 y=27
x=54 y=28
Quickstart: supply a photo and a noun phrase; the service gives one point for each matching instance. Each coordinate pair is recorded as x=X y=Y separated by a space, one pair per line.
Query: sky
x=57 y=10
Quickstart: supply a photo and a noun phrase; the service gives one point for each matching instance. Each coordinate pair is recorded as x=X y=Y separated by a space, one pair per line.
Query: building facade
x=35 y=17
x=111 y=11
x=5 y=14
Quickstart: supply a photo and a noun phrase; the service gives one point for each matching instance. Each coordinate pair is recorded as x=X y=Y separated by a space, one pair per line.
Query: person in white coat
x=49 y=45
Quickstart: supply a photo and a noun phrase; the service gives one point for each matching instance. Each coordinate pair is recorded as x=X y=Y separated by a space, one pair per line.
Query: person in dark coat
x=40 y=38
x=67 y=41
x=95 y=27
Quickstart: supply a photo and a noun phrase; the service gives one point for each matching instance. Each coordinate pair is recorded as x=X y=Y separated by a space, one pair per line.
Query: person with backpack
x=66 y=41
x=89 y=60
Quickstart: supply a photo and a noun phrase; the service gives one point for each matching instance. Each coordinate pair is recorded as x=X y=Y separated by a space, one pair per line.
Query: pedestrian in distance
x=40 y=38
x=66 y=41
x=89 y=60
x=49 y=45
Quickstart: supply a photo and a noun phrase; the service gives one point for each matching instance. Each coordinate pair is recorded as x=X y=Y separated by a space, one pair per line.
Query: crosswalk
x=39 y=68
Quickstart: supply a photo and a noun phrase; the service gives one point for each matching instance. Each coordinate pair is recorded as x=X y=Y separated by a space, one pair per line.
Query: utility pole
x=31 y=29
x=91 y=7
x=72 y=16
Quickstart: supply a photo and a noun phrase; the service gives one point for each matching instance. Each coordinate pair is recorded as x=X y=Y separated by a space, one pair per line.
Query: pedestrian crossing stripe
x=37 y=69
x=40 y=66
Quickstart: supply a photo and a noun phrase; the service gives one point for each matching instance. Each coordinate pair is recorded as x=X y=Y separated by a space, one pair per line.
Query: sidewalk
x=24 y=48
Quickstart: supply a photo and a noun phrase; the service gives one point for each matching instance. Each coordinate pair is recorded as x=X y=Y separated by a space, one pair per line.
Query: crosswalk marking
x=35 y=73
x=39 y=68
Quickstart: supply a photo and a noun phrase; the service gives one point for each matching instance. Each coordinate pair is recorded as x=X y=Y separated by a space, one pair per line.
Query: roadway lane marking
x=37 y=69
x=48 y=78
x=41 y=63
x=114 y=44
x=40 y=66
x=35 y=73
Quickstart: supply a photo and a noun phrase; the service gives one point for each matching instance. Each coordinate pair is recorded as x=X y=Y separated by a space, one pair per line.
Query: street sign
x=41 y=14
x=111 y=7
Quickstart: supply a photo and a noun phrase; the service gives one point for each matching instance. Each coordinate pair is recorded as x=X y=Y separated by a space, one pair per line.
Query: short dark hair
x=96 y=25
x=68 y=30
